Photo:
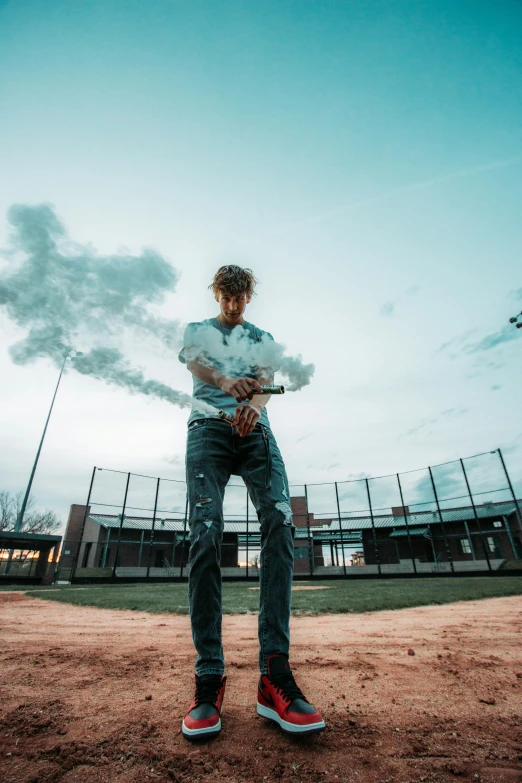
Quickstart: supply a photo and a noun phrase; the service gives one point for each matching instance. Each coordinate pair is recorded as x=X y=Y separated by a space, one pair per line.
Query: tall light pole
x=69 y=355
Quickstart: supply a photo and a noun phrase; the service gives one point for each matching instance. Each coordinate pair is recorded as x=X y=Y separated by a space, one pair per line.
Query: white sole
x=195 y=733
x=291 y=728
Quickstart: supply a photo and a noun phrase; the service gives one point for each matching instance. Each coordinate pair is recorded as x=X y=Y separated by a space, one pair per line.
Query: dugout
x=28 y=558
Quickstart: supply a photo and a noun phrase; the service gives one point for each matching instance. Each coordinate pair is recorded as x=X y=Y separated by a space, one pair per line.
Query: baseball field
x=418 y=680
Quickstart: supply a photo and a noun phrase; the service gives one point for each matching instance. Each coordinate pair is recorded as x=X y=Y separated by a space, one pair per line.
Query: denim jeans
x=214 y=453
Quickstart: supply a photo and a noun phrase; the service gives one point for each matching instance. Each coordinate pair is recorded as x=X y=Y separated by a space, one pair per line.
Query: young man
x=219 y=353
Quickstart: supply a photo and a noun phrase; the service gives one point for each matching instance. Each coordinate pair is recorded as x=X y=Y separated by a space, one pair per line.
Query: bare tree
x=35 y=520
x=255 y=562
x=5 y=510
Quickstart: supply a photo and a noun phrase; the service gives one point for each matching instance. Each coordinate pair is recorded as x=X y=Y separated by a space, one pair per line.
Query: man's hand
x=240 y=388
x=246 y=418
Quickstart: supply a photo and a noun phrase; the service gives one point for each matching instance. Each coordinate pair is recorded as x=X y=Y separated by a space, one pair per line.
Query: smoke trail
x=109 y=365
x=65 y=295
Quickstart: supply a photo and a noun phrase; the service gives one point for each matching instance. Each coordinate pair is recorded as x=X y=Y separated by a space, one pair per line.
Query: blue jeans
x=214 y=453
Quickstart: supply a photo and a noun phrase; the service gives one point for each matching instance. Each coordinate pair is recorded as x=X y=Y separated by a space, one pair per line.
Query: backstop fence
x=460 y=517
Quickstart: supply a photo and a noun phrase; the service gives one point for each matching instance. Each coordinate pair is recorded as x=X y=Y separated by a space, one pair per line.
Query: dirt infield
x=427 y=694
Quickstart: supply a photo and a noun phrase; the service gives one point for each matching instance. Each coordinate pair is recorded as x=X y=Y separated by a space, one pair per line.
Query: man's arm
x=247 y=416
x=242 y=389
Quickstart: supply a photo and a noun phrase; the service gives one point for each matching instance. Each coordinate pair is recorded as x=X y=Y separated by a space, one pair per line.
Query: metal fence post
x=340 y=526
x=153 y=526
x=378 y=559
x=173 y=550
x=82 y=529
x=477 y=520
x=310 y=539
x=142 y=539
x=106 y=547
x=120 y=527
x=441 y=520
x=407 y=525
x=509 y=535
x=519 y=512
x=246 y=534
x=184 y=535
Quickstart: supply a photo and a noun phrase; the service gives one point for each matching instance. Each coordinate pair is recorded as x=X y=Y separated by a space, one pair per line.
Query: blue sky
x=364 y=158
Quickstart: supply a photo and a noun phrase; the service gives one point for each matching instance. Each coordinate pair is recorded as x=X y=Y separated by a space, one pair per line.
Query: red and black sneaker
x=279 y=699
x=203 y=720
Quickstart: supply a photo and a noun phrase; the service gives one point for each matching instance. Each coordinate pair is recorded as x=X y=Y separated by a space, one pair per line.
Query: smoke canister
x=225 y=417
x=271 y=390
x=265 y=390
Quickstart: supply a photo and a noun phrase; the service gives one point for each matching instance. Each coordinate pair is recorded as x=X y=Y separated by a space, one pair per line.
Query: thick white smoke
x=66 y=296
x=240 y=354
x=62 y=293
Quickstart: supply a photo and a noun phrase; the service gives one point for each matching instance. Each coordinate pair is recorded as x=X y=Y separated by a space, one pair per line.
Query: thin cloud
x=415 y=186
x=514 y=446
x=455 y=343
x=324 y=466
x=454 y=412
x=173 y=460
x=448 y=483
x=413 y=431
x=388 y=309
x=449 y=413
x=505 y=335
x=460 y=343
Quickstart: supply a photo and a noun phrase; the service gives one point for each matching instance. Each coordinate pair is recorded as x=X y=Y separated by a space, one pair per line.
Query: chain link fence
x=460 y=517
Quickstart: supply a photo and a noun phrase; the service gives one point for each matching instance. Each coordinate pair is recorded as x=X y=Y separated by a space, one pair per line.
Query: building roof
x=412 y=531
x=465 y=513
x=176 y=525
x=21 y=540
x=348 y=536
x=324 y=532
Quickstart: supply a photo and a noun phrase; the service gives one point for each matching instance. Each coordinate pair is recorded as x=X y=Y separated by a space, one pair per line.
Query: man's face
x=232 y=307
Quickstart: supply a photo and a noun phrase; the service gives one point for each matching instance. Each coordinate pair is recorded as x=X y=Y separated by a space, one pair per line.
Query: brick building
x=461 y=539
x=147 y=547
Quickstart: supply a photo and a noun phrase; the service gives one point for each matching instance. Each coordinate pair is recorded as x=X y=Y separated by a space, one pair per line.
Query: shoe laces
x=287 y=686
x=207 y=690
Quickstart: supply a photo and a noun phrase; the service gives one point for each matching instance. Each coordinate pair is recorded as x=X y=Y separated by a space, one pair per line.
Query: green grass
x=340 y=597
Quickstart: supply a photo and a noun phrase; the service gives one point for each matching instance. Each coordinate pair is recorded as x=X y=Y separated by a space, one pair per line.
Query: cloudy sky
x=364 y=157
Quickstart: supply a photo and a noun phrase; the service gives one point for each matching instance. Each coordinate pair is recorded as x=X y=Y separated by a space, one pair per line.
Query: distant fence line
x=461 y=516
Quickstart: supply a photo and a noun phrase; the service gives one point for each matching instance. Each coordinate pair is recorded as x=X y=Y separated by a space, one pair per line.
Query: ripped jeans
x=214 y=453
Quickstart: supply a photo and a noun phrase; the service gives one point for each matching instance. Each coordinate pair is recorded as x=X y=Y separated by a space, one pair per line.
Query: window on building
x=86 y=554
x=497 y=523
x=491 y=544
x=301 y=553
x=465 y=546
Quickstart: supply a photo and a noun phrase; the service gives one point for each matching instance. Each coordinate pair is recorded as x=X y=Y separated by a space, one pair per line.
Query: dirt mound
x=89 y=695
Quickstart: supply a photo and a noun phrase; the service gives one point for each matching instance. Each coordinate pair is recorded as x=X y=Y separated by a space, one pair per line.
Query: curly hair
x=233 y=280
